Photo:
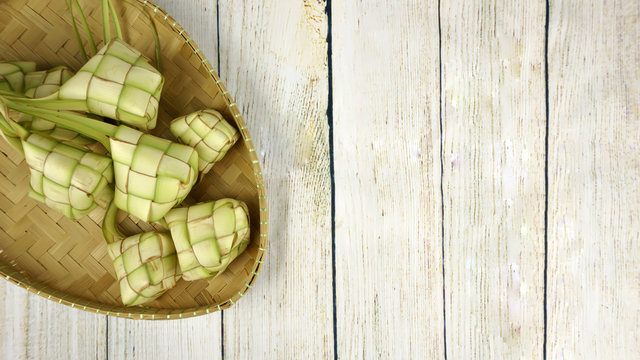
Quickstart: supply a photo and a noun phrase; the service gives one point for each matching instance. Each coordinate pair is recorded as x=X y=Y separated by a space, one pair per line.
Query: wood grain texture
x=594 y=180
x=387 y=180
x=493 y=178
x=195 y=338
x=199 y=19
x=36 y=328
x=386 y=122
x=273 y=61
x=191 y=338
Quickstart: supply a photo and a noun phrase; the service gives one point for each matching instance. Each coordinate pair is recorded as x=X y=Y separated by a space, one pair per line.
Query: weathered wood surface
x=273 y=60
x=387 y=180
x=594 y=180
x=493 y=124
x=396 y=257
x=36 y=328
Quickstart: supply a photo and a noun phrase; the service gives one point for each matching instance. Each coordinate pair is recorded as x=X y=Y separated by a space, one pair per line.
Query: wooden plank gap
x=444 y=284
x=546 y=180
x=332 y=175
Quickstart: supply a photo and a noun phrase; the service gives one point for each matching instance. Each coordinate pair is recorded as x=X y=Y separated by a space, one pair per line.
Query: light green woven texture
x=118 y=83
x=209 y=133
x=152 y=175
x=43 y=83
x=69 y=179
x=145 y=266
x=12 y=75
x=209 y=236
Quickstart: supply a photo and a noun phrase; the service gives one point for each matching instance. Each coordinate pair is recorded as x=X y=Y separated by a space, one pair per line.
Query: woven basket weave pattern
x=66 y=261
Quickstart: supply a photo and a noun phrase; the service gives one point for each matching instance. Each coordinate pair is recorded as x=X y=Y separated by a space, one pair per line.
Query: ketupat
x=71 y=180
x=118 y=83
x=145 y=266
x=152 y=174
x=209 y=236
x=12 y=75
x=44 y=83
x=207 y=132
x=67 y=178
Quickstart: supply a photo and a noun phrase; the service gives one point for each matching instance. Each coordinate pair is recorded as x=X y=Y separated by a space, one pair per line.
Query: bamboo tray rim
x=9 y=273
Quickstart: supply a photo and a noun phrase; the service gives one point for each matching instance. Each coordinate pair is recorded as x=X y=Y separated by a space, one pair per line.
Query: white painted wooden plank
x=194 y=338
x=191 y=338
x=36 y=328
x=387 y=179
x=14 y=319
x=494 y=169
x=273 y=61
x=594 y=173
x=199 y=19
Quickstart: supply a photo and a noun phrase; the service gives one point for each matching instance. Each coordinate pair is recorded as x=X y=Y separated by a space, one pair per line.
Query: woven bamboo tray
x=66 y=261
